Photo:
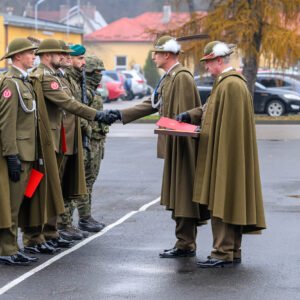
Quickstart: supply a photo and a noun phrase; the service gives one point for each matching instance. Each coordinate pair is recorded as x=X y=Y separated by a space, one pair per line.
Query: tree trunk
x=249 y=71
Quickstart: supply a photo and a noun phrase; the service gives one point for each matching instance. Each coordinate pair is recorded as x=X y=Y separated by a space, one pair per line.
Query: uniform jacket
x=227 y=176
x=17 y=126
x=179 y=94
x=34 y=130
x=58 y=101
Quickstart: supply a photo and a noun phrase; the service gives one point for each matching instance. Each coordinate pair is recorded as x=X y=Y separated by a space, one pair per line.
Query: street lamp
x=36 y=12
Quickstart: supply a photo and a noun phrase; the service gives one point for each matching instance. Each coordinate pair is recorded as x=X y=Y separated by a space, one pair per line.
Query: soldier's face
x=214 y=66
x=26 y=59
x=66 y=60
x=56 y=59
x=159 y=59
x=78 y=62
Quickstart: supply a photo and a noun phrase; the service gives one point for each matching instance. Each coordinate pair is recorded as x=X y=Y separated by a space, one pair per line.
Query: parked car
x=135 y=84
x=278 y=81
x=103 y=91
x=115 y=75
x=274 y=102
x=115 y=88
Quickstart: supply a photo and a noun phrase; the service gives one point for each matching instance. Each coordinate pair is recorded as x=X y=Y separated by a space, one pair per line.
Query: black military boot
x=90 y=224
x=73 y=232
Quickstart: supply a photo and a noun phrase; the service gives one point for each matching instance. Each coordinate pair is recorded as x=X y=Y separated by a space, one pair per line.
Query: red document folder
x=175 y=125
x=33 y=182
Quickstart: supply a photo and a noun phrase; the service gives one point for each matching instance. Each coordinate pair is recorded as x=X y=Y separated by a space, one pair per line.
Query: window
x=121 y=63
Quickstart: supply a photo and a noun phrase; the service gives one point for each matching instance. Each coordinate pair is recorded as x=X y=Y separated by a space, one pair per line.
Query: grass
x=258 y=118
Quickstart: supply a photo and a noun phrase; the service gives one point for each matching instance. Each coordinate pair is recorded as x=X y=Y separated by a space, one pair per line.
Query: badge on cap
x=7 y=93
x=54 y=85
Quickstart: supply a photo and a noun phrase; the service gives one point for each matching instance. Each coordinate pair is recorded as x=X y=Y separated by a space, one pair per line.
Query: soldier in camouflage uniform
x=93 y=156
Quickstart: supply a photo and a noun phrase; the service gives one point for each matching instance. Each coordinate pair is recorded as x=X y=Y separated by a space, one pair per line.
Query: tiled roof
x=136 y=29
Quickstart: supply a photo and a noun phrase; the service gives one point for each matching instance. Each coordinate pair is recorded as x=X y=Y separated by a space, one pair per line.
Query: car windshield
x=260 y=86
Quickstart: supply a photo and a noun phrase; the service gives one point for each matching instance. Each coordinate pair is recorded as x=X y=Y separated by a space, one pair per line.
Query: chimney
x=63 y=10
x=28 y=10
x=167 y=12
x=9 y=10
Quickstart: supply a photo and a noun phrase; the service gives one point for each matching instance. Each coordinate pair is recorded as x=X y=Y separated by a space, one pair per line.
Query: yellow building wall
x=8 y=33
x=136 y=53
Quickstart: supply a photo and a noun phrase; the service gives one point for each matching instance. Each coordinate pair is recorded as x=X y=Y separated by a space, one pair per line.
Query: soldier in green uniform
x=24 y=145
x=227 y=178
x=95 y=153
x=70 y=76
x=58 y=101
x=175 y=93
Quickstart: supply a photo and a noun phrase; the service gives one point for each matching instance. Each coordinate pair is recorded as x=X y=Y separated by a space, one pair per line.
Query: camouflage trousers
x=92 y=162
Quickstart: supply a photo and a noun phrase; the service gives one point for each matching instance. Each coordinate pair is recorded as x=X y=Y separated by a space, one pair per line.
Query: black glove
x=184 y=117
x=14 y=167
x=116 y=114
x=105 y=117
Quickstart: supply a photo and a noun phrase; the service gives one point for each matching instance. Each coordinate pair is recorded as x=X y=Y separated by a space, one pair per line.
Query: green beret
x=77 y=50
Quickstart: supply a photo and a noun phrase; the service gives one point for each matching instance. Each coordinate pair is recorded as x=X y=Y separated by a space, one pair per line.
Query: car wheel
x=275 y=108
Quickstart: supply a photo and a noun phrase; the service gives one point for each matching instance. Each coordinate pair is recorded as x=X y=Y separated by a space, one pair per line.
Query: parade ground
x=122 y=261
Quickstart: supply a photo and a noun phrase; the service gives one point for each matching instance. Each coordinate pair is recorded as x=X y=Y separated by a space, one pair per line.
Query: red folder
x=175 y=125
x=63 y=139
x=33 y=182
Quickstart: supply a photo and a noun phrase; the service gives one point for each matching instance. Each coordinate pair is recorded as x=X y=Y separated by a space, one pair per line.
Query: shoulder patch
x=54 y=85
x=7 y=93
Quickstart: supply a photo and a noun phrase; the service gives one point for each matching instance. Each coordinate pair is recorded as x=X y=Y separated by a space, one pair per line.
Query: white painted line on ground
x=49 y=262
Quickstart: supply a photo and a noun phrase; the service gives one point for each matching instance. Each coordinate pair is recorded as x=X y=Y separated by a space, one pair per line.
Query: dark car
x=278 y=81
x=274 y=102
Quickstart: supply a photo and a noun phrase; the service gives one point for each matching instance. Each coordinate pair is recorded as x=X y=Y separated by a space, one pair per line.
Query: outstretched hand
x=108 y=116
x=184 y=117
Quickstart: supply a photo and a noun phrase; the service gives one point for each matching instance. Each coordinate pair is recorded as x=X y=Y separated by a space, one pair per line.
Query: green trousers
x=186 y=233
x=9 y=237
x=92 y=163
x=227 y=240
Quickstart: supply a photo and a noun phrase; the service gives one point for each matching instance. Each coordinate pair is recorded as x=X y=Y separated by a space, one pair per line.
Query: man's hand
x=14 y=167
x=115 y=113
x=108 y=116
x=184 y=117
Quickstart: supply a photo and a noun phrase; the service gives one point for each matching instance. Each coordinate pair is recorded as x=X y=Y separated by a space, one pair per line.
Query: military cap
x=166 y=43
x=77 y=50
x=64 y=46
x=18 y=45
x=93 y=63
x=216 y=49
x=50 y=45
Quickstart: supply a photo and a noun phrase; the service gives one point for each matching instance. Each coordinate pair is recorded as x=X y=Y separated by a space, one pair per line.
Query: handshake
x=108 y=116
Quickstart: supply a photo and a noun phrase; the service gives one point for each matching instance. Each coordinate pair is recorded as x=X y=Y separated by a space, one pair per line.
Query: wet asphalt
x=123 y=263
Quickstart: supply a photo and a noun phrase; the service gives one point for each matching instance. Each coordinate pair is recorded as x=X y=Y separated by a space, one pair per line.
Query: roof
x=137 y=29
x=42 y=24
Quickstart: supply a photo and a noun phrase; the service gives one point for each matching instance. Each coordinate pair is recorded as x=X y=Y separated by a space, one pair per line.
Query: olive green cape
x=180 y=153
x=227 y=176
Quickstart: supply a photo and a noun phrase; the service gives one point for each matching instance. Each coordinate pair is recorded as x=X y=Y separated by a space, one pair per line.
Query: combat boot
x=73 y=232
x=90 y=224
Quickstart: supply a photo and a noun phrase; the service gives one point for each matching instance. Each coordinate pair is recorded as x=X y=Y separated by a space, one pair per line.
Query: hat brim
x=162 y=50
x=210 y=57
x=9 y=55
x=57 y=50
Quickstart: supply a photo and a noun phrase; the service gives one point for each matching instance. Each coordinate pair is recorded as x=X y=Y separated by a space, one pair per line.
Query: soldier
x=70 y=76
x=58 y=101
x=95 y=153
x=24 y=145
x=175 y=92
x=227 y=176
